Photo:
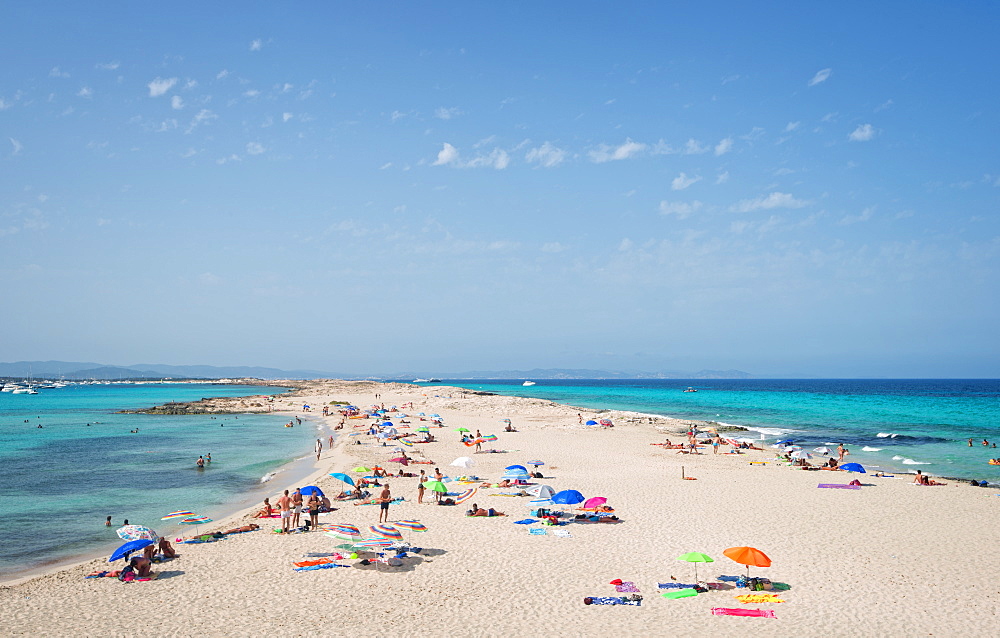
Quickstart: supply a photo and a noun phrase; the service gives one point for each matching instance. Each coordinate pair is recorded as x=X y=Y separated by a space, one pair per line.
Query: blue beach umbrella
x=536 y=463
x=853 y=467
x=785 y=442
x=516 y=467
x=591 y=422
x=309 y=490
x=516 y=475
x=129 y=547
x=567 y=497
x=340 y=476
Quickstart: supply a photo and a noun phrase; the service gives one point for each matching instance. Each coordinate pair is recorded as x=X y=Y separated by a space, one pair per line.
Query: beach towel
x=681 y=593
x=525 y=521
x=724 y=611
x=674 y=586
x=561 y=533
x=759 y=598
x=315 y=567
x=839 y=486
x=619 y=600
x=537 y=531
x=728 y=579
x=626 y=588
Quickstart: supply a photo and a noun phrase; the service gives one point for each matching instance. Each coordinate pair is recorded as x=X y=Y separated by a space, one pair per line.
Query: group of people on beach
x=292 y=506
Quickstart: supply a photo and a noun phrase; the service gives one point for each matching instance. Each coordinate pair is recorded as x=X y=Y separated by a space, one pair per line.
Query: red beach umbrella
x=748 y=556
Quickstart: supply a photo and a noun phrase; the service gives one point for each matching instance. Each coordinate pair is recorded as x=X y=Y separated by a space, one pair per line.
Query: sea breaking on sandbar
x=533 y=522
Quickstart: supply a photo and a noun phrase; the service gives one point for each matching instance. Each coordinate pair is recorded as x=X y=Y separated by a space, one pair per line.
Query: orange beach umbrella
x=748 y=556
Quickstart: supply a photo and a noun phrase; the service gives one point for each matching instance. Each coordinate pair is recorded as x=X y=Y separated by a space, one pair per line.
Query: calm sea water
x=889 y=425
x=59 y=482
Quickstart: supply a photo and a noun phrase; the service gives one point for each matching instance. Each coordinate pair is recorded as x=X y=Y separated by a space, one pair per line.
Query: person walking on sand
x=319 y=448
x=285 y=505
x=383 y=504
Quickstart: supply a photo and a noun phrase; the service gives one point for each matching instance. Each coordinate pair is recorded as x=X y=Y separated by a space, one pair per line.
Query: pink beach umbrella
x=596 y=501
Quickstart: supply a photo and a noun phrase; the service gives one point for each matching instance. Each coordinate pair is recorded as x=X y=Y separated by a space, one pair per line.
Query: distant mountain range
x=90 y=370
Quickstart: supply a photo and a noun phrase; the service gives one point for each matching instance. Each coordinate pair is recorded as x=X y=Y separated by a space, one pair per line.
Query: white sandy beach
x=891 y=559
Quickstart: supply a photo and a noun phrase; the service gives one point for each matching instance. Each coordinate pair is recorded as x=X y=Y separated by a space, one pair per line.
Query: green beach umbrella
x=696 y=557
x=361 y=469
x=461 y=429
x=436 y=486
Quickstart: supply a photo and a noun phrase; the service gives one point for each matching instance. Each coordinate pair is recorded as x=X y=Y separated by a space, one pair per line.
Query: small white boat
x=26 y=390
x=528 y=383
x=690 y=389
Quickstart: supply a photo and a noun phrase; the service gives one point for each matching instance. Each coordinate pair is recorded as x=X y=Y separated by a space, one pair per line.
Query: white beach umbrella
x=463 y=461
x=821 y=450
x=801 y=454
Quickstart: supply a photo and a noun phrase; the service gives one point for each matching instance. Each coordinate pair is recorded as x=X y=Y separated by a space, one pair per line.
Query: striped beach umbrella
x=405 y=442
x=388 y=531
x=178 y=514
x=490 y=437
x=466 y=495
x=373 y=543
x=411 y=525
x=196 y=521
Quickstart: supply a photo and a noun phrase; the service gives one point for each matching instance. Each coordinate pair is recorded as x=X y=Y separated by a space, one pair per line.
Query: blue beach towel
x=526 y=521
x=674 y=586
x=616 y=600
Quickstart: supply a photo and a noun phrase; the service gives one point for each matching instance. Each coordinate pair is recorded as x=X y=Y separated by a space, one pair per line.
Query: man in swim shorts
x=383 y=500
x=297 y=507
x=285 y=505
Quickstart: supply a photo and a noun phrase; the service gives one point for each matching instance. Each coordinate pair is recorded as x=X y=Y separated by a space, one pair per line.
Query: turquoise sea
x=59 y=482
x=888 y=425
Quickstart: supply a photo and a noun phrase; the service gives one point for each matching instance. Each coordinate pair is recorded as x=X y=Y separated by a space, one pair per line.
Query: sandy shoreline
x=876 y=561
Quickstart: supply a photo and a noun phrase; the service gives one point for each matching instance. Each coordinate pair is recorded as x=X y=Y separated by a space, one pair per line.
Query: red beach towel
x=728 y=611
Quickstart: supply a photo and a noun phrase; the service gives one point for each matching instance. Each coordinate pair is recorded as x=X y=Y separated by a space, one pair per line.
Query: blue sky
x=373 y=188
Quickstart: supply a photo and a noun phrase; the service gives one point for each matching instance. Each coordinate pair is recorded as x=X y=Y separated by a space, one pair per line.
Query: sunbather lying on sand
x=476 y=511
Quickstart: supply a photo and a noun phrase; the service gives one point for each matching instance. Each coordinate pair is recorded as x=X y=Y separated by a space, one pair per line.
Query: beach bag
x=127 y=574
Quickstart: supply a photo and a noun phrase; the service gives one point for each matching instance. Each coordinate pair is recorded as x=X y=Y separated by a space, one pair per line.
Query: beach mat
x=681 y=593
x=674 y=586
x=727 y=611
x=323 y=566
x=839 y=486
x=749 y=599
x=627 y=588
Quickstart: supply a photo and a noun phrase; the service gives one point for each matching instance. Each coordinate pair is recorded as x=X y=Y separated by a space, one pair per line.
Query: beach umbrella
x=567 y=497
x=596 y=501
x=373 y=543
x=387 y=531
x=801 y=454
x=696 y=557
x=516 y=475
x=421 y=414
x=490 y=437
x=605 y=422
x=516 y=467
x=196 y=521
x=177 y=514
x=387 y=424
x=405 y=442
x=785 y=442
x=793 y=448
x=340 y=476
x=436 y=486
x=748 y=556
x=591 y=422
x=435 y=416
x=411 y=525
x=853 y=467
x=309 y=490
x=361 y=469
x=136 y=532
x=821 y=450
x=383 y=435
x=461 y=429
x=540 y=502
x=344 y=531
x=463 y=461
x=536 y=463
x=466 y=495
x=129 y=547
x=541 y=491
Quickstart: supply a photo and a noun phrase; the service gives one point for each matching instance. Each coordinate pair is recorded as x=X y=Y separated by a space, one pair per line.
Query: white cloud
x=821 y=76
x=286 y=116
x=385 y=166
x=4 y=104
x=791 y=126
x=682 y=181
x=56 y=73
x=883 y=106
x=176 y=102
x=17 y=146
x=446 y=114
x=256 y=45
x=85 y=92
x=863 y=133
x=221 y=74
x=209 y=279
x=722 y=178
x=662 y=148
x=254 y=148
x=606 y=153
x=447 y=155
x=694 y=147
x=498 y=159
x=397 y=115
x=204 y=116
x=553 y=247
x=546 y=155
x=159 y=86
x=724 y=146
x=767 y=202
x=681 y=210
x=625 y=245
x=107 y=66
x=252 y=93
x=864 y=216
x=190 y=84
x=830 y=117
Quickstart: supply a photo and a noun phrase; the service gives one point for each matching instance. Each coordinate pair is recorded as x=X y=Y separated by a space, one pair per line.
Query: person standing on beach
x=285 y=505
x=841 y=451
x=296 y=507
x=383 y=504
x=319 y=448
x=330 y=443
x=420 y=493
